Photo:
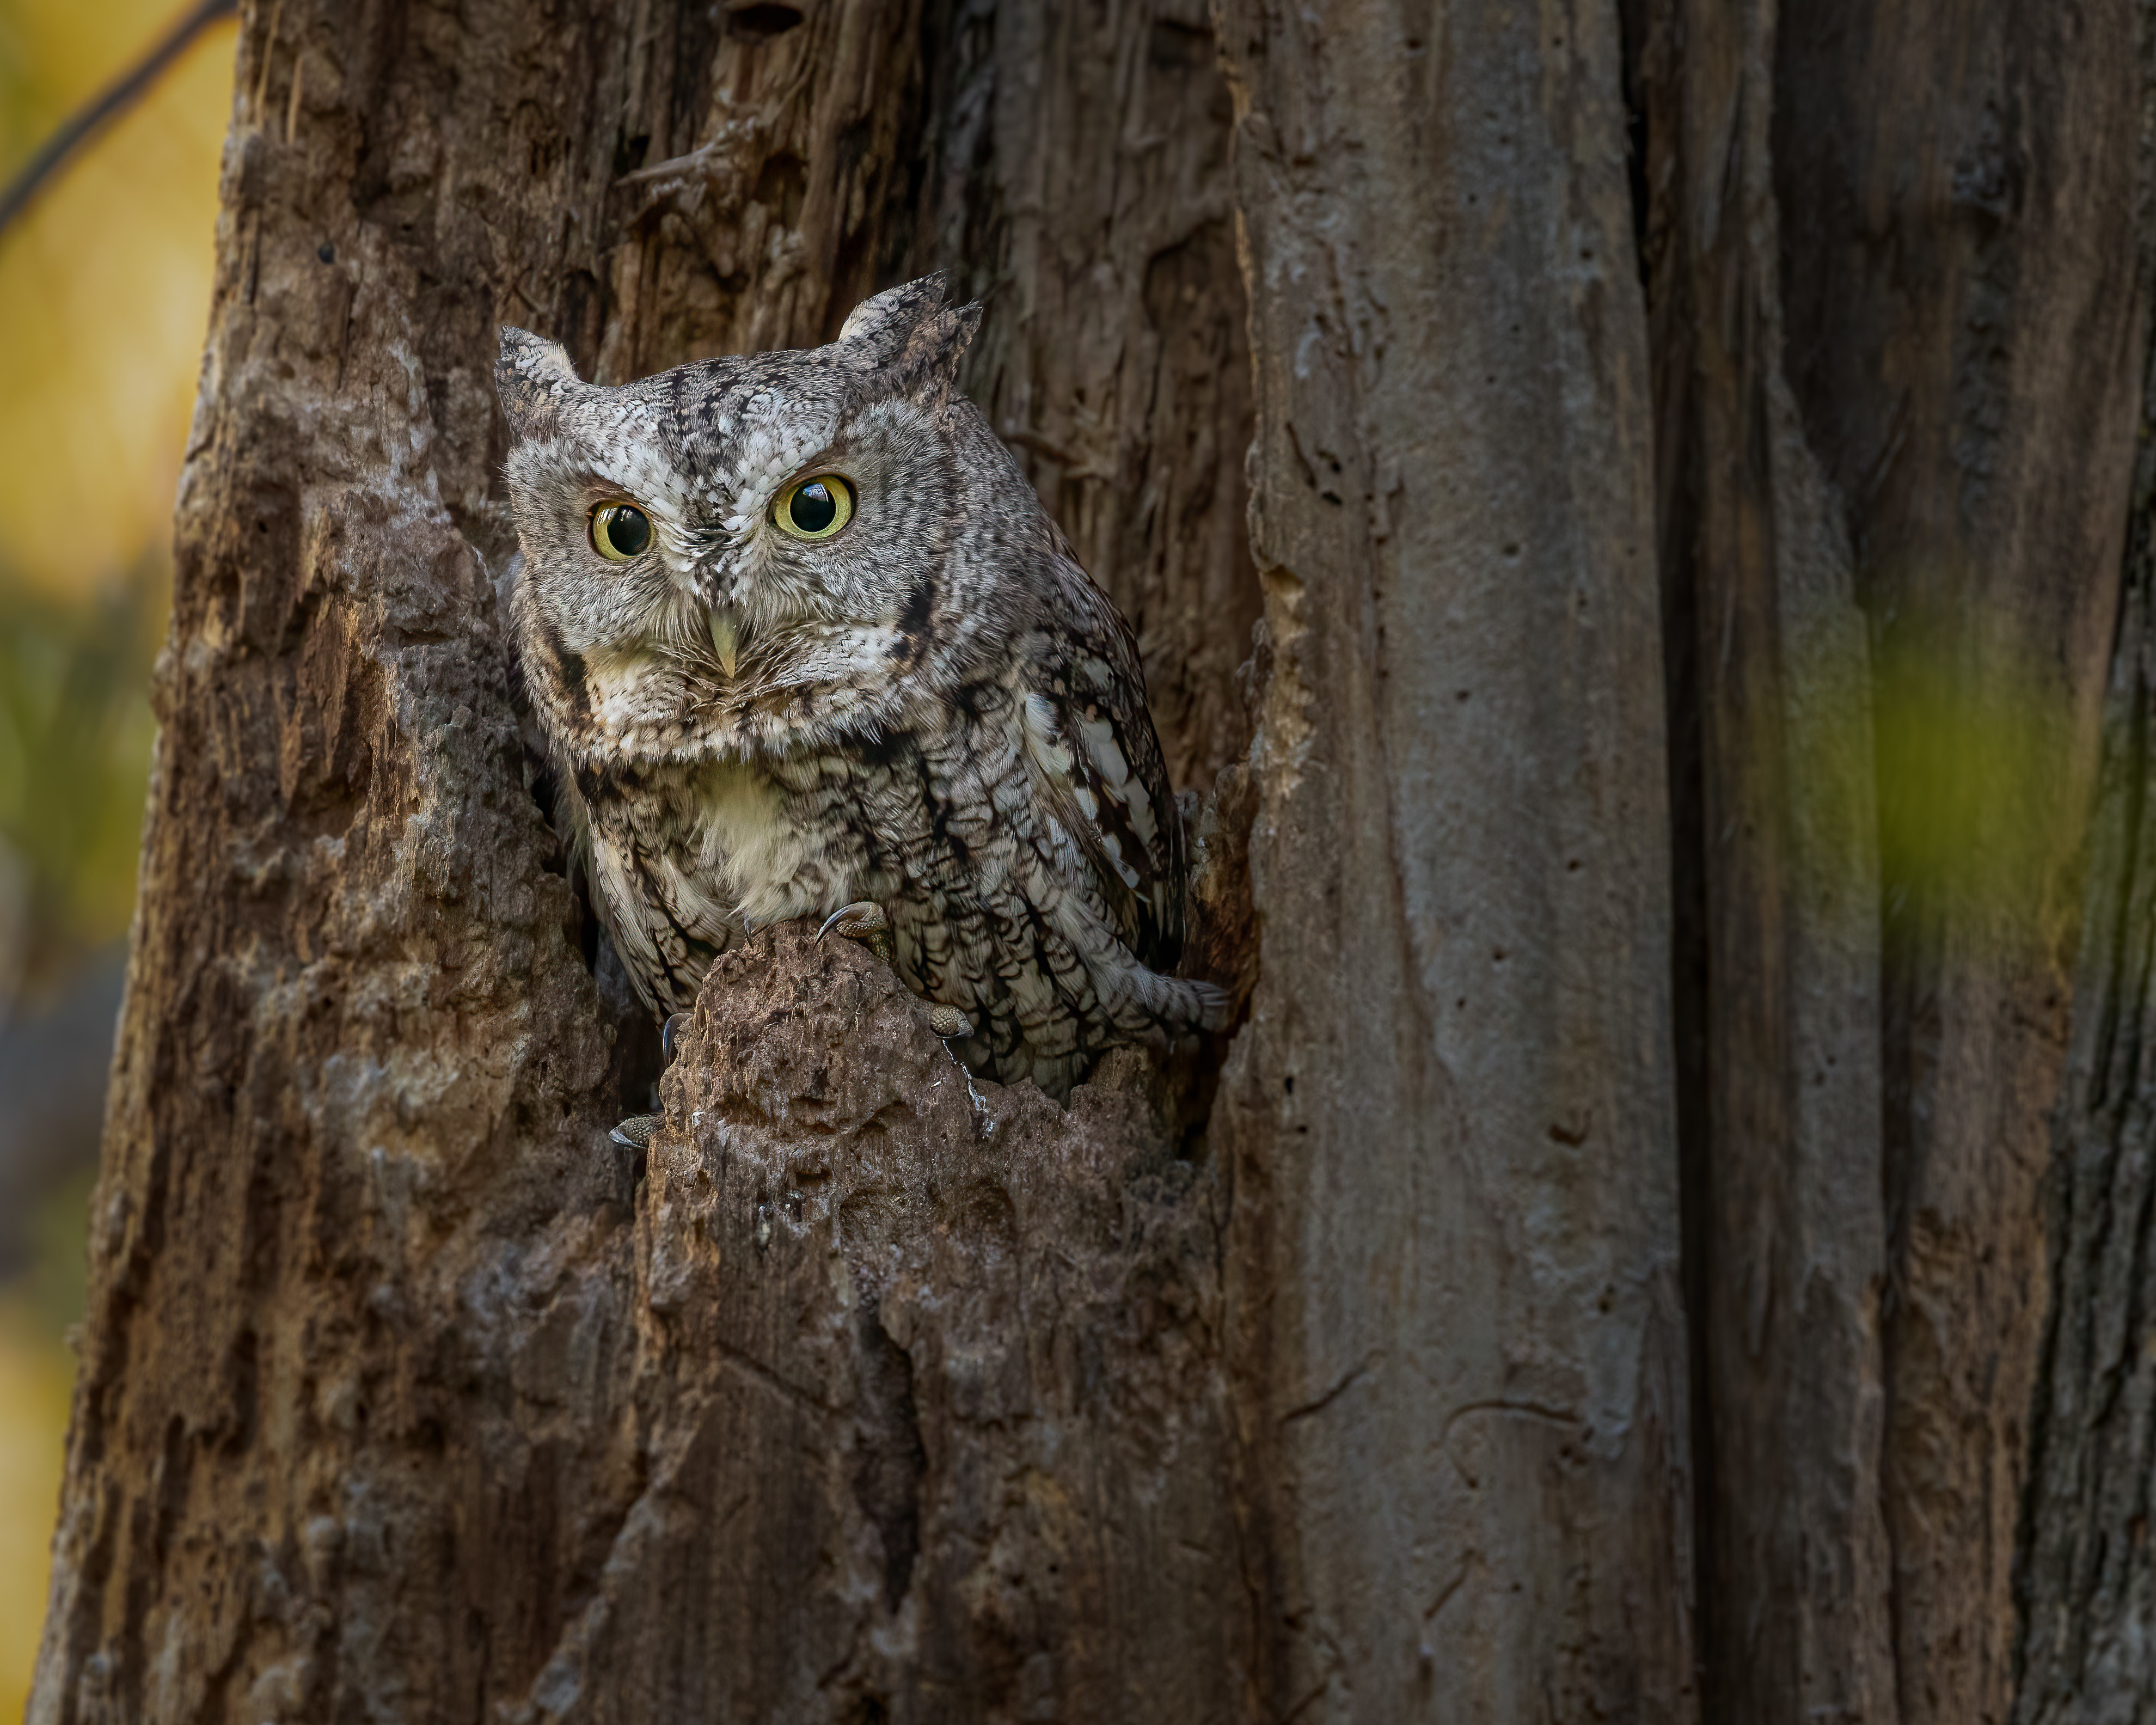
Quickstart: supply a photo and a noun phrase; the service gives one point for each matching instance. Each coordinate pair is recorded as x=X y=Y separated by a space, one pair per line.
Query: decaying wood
x=927 y=1391
x=382 y=1409
x=1083 y=194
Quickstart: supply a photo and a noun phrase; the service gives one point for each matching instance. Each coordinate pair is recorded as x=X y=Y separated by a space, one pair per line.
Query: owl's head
x=678 y=531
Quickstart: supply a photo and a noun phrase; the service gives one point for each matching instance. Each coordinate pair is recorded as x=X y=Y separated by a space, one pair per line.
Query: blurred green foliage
x=1974 y=757
x=74 y=750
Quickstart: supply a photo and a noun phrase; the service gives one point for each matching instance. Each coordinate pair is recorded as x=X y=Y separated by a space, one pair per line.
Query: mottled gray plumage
x=934 y=710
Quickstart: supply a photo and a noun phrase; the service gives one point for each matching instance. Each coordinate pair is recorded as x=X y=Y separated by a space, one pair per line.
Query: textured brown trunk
x=1608 y=1250
x=402 y=1395
x=875 y=1396
x=1778 y=882
x=1898 y=318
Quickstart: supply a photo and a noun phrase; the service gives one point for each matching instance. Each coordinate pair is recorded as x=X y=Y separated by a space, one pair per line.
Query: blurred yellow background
x=104 y=295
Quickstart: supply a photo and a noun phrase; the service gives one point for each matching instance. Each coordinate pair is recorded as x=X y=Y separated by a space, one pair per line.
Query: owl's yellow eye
x=814 y=508
x=620 y=531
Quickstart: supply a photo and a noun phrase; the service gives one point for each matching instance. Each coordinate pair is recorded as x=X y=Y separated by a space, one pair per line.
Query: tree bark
x=1778 y=889
x=383 y=1410
x=2083 y=1576
x=1453 y=1269
x=1965 y=341
x=1898 y=322
x=1083 y=195
x=1690 y=453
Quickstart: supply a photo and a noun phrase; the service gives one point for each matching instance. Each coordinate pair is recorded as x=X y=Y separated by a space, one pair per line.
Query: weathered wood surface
x=2085 y=1579
x=1901 y=316
x=374 y=1379
x=1083 y=194
x=1966 y=312
x=1454 y=1274
x=927 y=1398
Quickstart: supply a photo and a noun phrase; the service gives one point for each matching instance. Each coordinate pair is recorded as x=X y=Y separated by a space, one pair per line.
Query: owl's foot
x=948 y=1021
x=865 y=922
x=634 y=1133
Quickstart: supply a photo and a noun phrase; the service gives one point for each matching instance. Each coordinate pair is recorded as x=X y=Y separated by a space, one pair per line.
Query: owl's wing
x=1096 y=760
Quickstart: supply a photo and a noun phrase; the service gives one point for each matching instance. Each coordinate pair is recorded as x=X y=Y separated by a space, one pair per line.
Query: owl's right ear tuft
x=532 y=376
x=911 y=335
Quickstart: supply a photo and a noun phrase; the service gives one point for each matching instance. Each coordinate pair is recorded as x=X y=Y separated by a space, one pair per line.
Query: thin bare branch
x=106 y=106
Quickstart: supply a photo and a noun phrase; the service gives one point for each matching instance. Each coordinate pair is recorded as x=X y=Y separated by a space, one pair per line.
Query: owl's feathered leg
x=634 y=1133
x=864 y=921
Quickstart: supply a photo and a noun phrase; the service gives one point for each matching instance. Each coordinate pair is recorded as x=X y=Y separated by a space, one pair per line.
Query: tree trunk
x=2086 y=1588
x=1777 y=892
x=1453 y=1269
x=1898 y=322
x=1689 y=455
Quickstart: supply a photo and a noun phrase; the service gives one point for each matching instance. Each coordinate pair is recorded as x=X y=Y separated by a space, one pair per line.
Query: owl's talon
x=947 y=1022
x=863 y=920
x=634 y=1133
x=669 y=1034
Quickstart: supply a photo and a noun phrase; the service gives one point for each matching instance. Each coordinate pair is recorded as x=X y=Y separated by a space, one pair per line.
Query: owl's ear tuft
x=532 y=376
x=911 y=331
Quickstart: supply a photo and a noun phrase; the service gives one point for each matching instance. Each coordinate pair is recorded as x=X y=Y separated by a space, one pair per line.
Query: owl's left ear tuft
x=532 y=376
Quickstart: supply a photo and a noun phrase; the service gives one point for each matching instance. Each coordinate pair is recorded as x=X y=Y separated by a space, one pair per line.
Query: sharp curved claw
x=856 y=921
x=669 y=1033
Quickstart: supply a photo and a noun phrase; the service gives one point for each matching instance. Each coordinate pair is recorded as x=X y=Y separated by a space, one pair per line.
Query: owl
x=805 y=644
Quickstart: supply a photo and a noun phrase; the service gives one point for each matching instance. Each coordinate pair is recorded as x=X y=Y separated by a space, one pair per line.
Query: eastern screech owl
x=802 y=637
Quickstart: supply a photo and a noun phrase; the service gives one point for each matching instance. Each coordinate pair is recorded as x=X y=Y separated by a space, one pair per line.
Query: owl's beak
x=726 y=641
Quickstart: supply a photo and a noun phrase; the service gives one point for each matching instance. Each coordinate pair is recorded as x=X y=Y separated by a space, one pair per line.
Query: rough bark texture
x=1083 y=195
x=367 y=1411
x=1453 y=1280
x=1965 y=321
x=1898 y=320
x=927 y=1397
x=2087 y=1590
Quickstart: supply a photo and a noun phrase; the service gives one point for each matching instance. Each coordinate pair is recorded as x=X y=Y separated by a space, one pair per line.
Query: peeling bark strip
x=1454 y=1259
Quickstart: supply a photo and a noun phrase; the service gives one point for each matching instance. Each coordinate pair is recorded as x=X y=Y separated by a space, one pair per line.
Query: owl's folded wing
x=1097 y=761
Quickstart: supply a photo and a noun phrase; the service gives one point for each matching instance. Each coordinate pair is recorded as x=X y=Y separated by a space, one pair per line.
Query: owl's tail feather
x=1212 y=1006
x=1150 y=1002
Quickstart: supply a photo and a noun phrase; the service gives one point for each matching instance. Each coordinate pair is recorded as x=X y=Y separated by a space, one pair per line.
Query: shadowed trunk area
x=1898 y=306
